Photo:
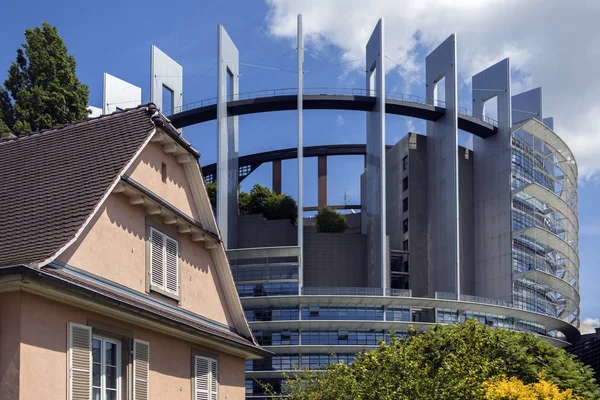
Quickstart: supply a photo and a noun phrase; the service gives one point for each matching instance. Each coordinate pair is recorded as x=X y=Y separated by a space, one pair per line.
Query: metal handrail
x=330 y=91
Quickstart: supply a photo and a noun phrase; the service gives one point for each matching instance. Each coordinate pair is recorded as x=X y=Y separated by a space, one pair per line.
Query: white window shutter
x=80 y=362
x=156 y=258
x=202 y=381
x=141 y=368
x=171 y=265
x=214 y=380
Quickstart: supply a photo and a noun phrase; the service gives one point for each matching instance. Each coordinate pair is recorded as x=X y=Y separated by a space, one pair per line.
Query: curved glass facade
x=545 y=226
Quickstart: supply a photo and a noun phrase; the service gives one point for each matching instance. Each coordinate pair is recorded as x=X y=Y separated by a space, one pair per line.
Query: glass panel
x=96 y=343
x=111 y=394
x=111 y=377
x=96 y=393
x=96 y=375
x=111 y=353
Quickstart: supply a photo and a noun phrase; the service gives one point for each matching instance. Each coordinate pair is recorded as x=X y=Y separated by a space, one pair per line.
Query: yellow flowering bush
x=503 y=388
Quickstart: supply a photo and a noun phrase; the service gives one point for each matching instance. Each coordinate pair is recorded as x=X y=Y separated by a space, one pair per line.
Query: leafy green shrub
x=329 y=220
x=447 y=362
x=262 y=200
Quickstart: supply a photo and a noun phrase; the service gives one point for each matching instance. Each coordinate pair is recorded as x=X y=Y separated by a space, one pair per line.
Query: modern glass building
x=441 y=232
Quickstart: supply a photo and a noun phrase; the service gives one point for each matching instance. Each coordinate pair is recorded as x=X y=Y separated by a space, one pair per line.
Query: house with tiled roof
x=114 y=282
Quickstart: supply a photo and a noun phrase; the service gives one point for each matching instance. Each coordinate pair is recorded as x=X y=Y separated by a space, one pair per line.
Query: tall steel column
x=492 y=187
x=375 y=173
x=300 y=155
x=227 y=138
x=442 y=171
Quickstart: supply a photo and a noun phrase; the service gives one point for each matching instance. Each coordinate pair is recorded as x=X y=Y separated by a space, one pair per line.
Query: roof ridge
x=147 y=106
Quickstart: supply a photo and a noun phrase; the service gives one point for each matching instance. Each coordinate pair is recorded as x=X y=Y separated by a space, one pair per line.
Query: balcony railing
x=406 y=97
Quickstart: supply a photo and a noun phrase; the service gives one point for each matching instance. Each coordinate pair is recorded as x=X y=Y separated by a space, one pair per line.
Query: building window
x=106 y=369
x=405 y=205
x=94 y=365
x=164 y=263
x=405 y=225
x=206 y=378
x=405 y=245
x=405 y=163
x=405 y=184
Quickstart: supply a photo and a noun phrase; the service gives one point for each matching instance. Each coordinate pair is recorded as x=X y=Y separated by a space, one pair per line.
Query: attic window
x=164 y=263
x=163 y=172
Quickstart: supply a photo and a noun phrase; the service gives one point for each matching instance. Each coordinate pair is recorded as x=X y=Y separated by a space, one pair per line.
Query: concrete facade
x=334 y=259
x=165 y=73
x=491 y=178
x=227 y=137
x=442 y=174
x=119 y=95
x=375 y=172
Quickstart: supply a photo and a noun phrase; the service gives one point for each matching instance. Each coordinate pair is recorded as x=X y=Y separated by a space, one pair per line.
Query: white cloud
x=595 y=322
x=339 y=120
x=550 y=44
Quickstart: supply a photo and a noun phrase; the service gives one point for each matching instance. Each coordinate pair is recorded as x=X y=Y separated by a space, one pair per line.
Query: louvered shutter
x=214 y=380
x=141 y=364
x=202 y=381
x=156 y=258
x=80 y=362
x=171 y=265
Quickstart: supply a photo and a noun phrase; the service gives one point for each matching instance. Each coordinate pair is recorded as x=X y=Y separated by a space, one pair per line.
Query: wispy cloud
x=487 y=31
x=595 y=322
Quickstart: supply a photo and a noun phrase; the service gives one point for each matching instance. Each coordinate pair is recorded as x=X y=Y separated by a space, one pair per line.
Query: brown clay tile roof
x=52 y=180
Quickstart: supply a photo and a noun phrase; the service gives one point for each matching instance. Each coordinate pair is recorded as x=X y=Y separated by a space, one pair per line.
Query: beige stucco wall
x=114 y=247
x=44 y=354
x=10 y=330
x=176 y=190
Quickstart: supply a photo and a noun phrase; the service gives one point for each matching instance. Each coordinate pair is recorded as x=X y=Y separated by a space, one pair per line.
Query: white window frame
x=117 y=343
x=152 y=286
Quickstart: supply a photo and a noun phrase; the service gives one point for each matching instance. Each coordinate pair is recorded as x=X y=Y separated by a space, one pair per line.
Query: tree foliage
x=504 y=388
x=329 y=220
x=262 y=200
x=42 y=89
x=448 y=362
x=211 y=188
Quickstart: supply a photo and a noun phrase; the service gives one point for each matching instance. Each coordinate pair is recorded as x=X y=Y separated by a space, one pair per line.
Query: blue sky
x=117 y=39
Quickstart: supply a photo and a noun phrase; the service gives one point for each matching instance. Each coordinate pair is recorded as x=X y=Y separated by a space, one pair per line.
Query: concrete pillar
x=227 y=138
x=492 y=187
x=322 y=189
x=442 y=172
x=375 y=173
x=277 y=176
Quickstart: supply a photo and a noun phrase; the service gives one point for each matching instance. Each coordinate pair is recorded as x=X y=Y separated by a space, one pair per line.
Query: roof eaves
x=56 y=277
x=165 y=124
x=163 y=203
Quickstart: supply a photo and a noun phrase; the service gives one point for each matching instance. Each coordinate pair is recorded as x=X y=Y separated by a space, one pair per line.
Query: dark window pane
x=111 y=377
x=96 y=350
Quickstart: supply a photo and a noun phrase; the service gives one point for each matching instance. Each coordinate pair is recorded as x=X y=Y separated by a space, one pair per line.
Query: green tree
x=211 y=188
x=262 y=200
x=329 y=220
x=448 y=362
x=42 y=90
